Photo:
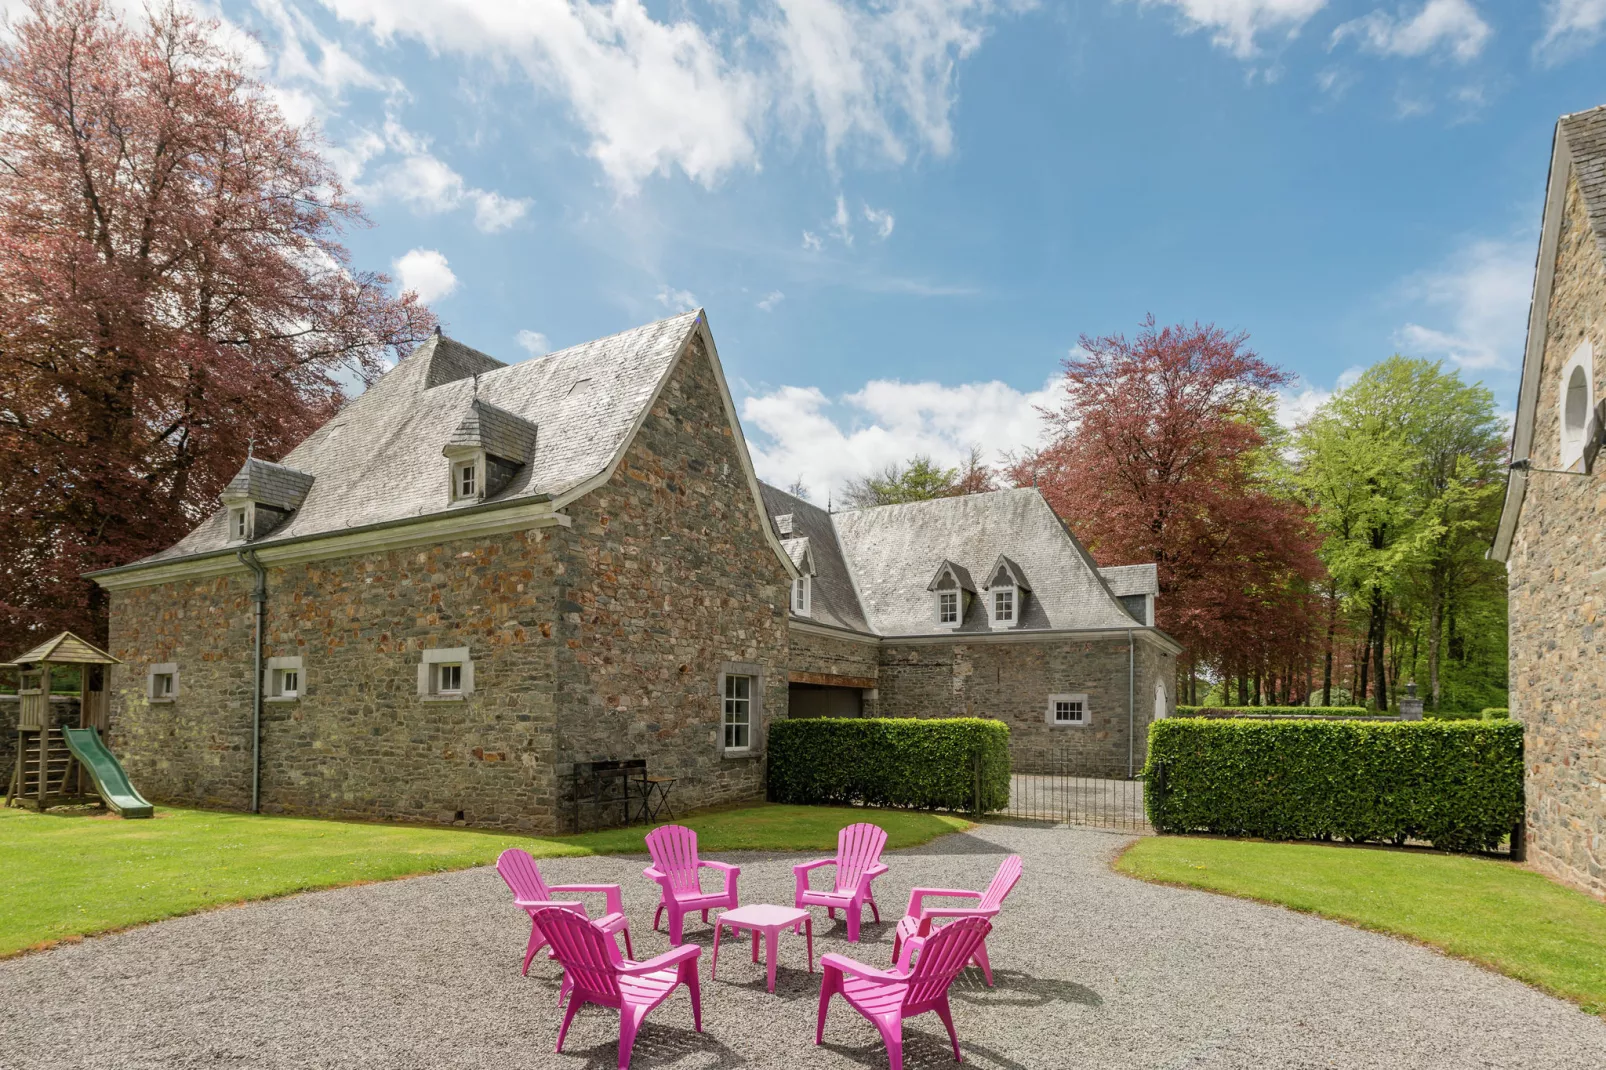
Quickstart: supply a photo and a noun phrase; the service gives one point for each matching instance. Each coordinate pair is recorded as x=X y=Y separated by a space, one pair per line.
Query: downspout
x=1131 y=701
x=259 y=595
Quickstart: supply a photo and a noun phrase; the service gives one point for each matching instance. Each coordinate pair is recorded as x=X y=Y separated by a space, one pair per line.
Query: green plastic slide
x=107 y=772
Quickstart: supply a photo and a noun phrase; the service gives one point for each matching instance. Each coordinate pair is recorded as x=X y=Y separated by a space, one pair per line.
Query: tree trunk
x=1435 y=626
x=1379 y=653
x=1243 y=688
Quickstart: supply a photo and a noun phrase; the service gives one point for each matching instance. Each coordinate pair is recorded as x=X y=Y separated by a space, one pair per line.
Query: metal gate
x=1048 y=786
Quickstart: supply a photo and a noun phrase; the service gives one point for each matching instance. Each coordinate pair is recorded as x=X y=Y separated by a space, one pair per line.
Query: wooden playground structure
x=56 y=765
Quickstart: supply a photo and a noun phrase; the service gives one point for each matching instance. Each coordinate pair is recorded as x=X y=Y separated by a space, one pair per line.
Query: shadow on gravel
x=1012 y=988
x=925 y=1051
x=960 y=843
x=664 y=1045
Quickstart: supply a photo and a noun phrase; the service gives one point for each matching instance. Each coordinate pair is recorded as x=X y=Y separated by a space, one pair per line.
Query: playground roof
x=66 y=649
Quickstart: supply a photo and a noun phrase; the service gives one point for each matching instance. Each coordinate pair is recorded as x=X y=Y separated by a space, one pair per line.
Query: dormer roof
x=798 y=550
x=1005 y=573
x=496 y=431
x=959 y=573
x=266 y=483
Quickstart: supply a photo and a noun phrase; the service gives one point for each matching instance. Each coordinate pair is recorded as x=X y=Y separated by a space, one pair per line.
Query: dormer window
x=803 y=586
x=486 y=451
x=261 y=497
x=239 y=523
x=951 y=590
x=783 y=525
x=802 y=595
x=1006 y=594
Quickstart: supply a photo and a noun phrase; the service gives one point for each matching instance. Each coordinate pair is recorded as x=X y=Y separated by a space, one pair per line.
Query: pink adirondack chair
x=857 y=862
x=597 y=974
x=918 y=919
x=675 y=866
x=887 y=997
x=532 y=893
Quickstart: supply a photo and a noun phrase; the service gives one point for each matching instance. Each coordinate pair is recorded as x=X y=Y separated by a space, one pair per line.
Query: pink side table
x=769 y=920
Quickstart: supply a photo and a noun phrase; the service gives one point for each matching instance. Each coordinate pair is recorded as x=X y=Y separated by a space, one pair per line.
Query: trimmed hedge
x=1274 y=711
x=919 y=763
x=1456 y=784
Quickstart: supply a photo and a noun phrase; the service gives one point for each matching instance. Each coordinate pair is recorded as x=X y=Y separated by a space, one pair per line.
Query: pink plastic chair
x=887 y=997
x=918 y=919
x=519 y=871
x=597 y=974
x=857 y=862
x=675 y=867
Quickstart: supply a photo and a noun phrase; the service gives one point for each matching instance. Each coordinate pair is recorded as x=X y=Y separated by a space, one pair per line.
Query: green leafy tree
x=920 y=479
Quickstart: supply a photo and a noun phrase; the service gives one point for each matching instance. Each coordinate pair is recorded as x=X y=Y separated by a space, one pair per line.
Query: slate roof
x=833 y=600
x=1131 y=579
x=379 y=459
x=496 y=431
x=271 y=484
x=1585 y=134
x=888 y=553
x=798 y=550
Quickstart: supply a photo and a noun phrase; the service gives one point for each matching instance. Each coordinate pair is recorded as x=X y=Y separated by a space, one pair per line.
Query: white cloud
x=425 y=272
x=418 y=178
x=812 y=241
x=533 y=341
x=1235 y=24
x=1297 y=403
x=1475 y=305
x=771 y=299
x=677 y=300
x=1570 y=27
x=1450 y=24
x=799 y=432
x=880 y=219
x=654 y=97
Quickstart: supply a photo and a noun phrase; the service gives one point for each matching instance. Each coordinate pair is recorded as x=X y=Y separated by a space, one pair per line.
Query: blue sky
x=900 y=216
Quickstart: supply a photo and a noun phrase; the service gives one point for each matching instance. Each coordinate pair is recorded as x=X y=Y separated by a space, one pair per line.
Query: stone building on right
x=1552 y=532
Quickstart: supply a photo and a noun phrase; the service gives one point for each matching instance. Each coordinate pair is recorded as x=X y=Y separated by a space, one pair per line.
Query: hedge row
x=1456 y=784
x=926 y=764
x=1273 y=711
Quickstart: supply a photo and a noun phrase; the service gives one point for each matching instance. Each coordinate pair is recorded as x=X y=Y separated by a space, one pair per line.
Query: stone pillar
x=1410 y=705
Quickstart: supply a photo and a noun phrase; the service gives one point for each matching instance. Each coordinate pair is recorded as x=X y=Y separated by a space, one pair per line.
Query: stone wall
x=1557 y=582
x=668 y=574
x=1011 y=680
x=831 y=656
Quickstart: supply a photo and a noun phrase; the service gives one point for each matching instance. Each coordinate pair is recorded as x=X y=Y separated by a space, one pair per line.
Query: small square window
x=289 y=682
x=449 y=678
x=1068 y=711
x=162 y=685
x=948 y=607
x=466 y=480
x=738 y=712
x=1004 y=605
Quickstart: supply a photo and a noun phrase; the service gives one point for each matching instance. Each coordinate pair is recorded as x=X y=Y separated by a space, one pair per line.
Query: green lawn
x=69 y=874
x=1492 y=912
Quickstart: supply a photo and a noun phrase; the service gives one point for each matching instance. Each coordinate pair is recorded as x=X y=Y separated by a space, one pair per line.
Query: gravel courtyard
x=1093 y=970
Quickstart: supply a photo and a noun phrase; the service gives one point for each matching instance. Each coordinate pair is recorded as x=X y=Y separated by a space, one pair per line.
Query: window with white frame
x=161 y=684
x=466 y=479
x=1004 y=606
x=1067 y=711
x=802 y=595
x=1577 y=398
x=285 y=683
x=239 y=523
x=948 y=607
x=738 y=720
x=446 y=674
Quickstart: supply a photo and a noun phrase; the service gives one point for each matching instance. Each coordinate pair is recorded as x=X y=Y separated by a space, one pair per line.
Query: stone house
x=983 y=605
x=478 y=574
x=1552 y=532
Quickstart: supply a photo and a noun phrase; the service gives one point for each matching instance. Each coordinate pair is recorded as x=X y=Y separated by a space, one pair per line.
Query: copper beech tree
x=172 y=286
x=1160 y=452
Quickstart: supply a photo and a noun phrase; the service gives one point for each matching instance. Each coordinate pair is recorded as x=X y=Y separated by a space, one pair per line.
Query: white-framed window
x=1068 y=711
x=948 y=607
x=285 y=679
x=161 y=682
x=802 y=595
x=738 y=715
x=1577 y=399
x=467 y=479
x=446 y=674
x=239 y=523
x=1004 y=606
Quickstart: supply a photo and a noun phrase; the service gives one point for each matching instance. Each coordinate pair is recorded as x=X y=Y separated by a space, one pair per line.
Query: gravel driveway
x=1093 y=970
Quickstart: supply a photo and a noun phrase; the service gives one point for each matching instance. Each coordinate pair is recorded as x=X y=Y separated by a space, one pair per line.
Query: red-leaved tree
x=1159 y=454
x=171 y=287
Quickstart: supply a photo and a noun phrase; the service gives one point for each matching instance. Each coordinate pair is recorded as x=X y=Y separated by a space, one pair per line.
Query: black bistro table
x=606 y=786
